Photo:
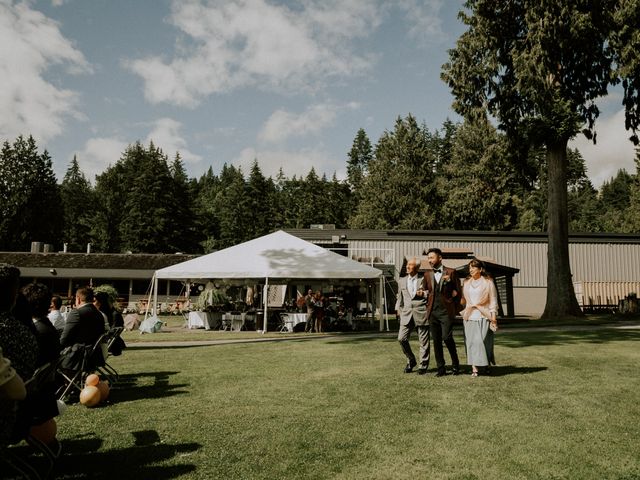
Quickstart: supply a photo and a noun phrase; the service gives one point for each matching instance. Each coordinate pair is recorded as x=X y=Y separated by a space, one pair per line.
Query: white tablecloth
x=205 y=320
x=234 y=320
x=293 y=319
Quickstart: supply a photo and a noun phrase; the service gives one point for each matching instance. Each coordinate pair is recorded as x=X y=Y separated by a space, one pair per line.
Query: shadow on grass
x=504 y=370
x=82 y=458
x=143 y=385
x=525 y=339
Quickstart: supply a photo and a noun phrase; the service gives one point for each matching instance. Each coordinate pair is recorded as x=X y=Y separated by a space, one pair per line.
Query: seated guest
x=55 y=316
x=84 y=323
x=12 y=389
x=39 y=298
x=101 y=302
x=40 y=407
x=11 y=385
x=84 y=326
x=104 y=303
x=17 y=343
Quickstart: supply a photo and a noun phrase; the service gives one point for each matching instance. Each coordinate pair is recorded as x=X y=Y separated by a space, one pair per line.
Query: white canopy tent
x=278 y=256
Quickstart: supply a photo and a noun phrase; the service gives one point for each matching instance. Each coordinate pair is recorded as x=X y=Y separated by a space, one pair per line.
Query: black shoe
x=441 y=372
x=455 y=370
x=422 y=371
x=409 y=367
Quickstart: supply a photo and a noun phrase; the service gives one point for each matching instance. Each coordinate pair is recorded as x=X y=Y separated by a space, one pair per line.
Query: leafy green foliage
x=79 y=208
x=30 y=204
x=399 y=192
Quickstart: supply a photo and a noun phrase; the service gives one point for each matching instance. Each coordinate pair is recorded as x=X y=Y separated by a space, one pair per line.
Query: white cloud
x=282 y=124
x=252 y=43
x=98 y=153
x=612 y=152
x=30 y=43
x=424 y=19
x=101 y=152
x=297 y=163
x=166 y=135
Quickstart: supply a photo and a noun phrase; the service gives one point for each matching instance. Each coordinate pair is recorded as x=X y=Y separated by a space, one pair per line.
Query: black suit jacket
x=48 y=341
x=450 y=301
x=84 y=325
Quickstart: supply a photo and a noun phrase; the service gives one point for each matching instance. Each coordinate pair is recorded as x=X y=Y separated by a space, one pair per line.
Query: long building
x=605 y=267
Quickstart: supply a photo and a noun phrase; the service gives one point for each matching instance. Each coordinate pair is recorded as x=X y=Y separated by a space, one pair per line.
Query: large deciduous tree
x=538 y=67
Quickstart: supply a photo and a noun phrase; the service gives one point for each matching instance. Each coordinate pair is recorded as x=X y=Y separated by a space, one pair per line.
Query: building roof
x=81 y=265
x=344 y=235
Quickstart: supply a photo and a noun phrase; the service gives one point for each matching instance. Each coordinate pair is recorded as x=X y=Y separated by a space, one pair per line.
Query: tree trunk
x=561 y=298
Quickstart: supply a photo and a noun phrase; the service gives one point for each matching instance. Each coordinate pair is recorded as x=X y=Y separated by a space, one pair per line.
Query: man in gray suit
x=411 y=309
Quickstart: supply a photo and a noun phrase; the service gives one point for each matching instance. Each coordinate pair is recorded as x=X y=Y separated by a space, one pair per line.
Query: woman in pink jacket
x=479 y=315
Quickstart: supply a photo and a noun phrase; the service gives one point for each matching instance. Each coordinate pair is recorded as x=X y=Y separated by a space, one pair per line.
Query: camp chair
x=225 y=323
x=282 y=325
x=107 y=370
x=88 y=358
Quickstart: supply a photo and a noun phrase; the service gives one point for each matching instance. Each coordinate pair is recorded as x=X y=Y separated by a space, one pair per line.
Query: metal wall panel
x=591 y=262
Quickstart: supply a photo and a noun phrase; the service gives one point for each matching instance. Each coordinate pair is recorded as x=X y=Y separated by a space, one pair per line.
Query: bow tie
x=437 y=270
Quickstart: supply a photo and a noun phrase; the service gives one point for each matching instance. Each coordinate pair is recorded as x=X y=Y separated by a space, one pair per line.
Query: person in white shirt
x=55 y=315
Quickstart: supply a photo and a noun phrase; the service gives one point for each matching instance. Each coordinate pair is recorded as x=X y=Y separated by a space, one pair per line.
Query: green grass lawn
x=559 y=405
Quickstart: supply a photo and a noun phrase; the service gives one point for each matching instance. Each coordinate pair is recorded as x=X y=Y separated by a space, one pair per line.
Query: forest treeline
x=462 y=176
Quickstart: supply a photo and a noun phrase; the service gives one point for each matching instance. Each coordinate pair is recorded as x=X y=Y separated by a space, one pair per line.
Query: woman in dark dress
x=42 y=406
x=17 y=343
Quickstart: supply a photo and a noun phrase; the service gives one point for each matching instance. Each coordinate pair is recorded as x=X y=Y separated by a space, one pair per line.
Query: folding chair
x=90 y=358
x=282 y=326
x=107 y=370
x=225 y=323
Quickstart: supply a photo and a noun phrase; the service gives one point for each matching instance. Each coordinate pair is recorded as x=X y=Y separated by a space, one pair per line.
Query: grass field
x=559 y=405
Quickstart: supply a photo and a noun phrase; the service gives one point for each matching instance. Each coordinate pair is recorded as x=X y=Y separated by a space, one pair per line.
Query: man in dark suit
x=443 y=303
x=411 y=310
x=84 y=324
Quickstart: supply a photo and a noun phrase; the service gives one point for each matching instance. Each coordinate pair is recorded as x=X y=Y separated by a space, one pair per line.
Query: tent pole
x=153 y=294
x=381 y=302
x=265 y=301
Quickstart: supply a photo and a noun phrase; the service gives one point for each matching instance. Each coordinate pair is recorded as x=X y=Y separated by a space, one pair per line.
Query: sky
x=230 y=81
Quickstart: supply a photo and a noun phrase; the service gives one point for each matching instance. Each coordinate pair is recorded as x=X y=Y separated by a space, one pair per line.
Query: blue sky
x=286 y=83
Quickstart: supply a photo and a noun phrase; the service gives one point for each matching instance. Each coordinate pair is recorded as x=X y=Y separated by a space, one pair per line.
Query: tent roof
x=277 y=255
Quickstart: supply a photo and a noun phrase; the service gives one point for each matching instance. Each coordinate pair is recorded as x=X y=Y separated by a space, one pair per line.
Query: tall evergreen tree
x=399 y=191
x=30 y=204
x=182 y=214
x=582 y=200
x=481 y=176
x=360 y=155
x=231 y=208
x=79 y=208
x=208 y=223
x=260 y=197
x=632 y=213
x=111 y=191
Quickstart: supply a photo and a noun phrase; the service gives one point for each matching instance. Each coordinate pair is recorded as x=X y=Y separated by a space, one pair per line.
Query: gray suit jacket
x=408 y=307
